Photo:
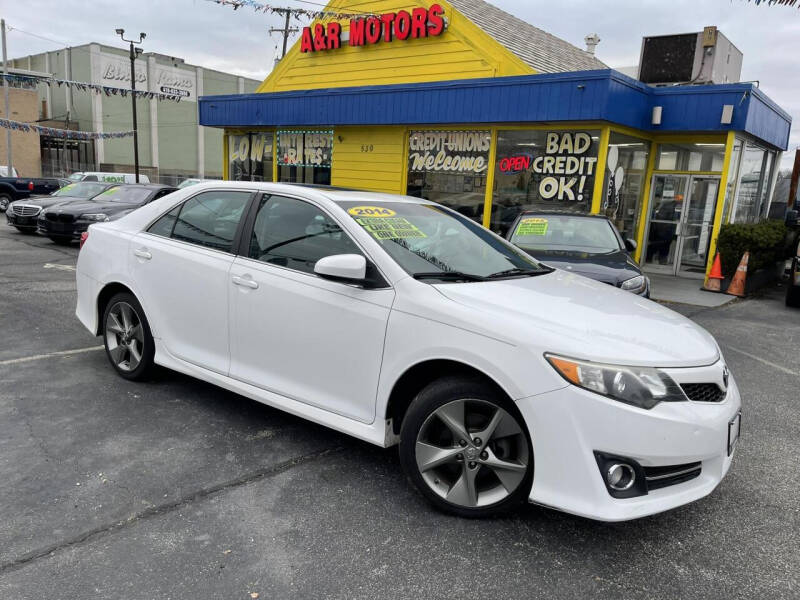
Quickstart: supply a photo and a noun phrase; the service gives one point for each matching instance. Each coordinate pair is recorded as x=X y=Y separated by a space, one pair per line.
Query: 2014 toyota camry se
x=399 y=321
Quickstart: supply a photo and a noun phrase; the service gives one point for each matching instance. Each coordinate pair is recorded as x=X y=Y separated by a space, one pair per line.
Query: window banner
x=454 y=152
x=305 y=148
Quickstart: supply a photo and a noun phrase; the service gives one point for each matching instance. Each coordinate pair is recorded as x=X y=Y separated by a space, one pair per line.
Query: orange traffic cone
x=715 y=277
x=736 y=288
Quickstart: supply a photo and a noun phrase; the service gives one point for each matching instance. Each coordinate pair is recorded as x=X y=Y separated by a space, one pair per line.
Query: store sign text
x=566 y=166
x=309 y=149
x=402 y=25
x=449 y=151
x=515 y=164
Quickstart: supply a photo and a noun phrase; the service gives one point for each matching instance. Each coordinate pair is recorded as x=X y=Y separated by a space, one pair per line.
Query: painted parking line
x=763 y=361
x=15 y=361
x=59 y=267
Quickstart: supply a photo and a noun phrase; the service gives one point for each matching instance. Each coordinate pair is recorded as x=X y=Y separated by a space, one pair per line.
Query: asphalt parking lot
x=177 y=489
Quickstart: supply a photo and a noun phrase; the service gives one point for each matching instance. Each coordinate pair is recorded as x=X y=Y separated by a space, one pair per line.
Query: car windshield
x=565 y=233
x=432 y=242
x=84 y=189
x=125 y=194
x=76 y=177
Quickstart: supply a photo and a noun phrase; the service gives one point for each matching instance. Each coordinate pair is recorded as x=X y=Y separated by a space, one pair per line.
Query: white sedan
x=397 y=320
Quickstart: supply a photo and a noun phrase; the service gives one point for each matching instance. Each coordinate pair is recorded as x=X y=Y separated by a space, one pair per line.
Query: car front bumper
x=21 y=222
x=58 y=229
x=568 y=425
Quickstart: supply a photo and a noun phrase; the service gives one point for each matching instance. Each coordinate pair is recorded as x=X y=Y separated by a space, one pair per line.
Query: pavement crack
x=166 y=507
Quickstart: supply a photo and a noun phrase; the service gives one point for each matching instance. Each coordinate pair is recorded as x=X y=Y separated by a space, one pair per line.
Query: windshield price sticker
x=371 y=211
x=392 y=228
x=533 y=226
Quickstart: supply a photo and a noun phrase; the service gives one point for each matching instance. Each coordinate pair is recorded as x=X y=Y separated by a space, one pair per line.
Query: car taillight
x=30 y=186
x=84 y=237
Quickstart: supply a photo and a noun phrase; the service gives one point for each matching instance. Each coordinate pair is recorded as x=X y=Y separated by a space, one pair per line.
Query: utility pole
x=133 y=55
x=9 y=161
x=286 y=30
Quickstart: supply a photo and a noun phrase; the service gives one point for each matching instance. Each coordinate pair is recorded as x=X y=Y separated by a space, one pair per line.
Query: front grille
x=25 y=210
x=703 y=392
x=659 y=477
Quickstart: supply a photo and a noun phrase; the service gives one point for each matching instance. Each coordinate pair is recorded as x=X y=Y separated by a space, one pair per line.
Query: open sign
x=515 y=164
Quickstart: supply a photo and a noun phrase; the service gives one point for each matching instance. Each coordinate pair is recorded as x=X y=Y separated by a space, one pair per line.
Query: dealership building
x=462 y=103
x=172 y=145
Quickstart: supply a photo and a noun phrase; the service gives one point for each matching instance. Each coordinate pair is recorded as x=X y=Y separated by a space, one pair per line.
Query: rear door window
x=209 y=219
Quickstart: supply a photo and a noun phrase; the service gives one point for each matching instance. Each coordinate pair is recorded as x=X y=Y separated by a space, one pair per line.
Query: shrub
x=764 y=241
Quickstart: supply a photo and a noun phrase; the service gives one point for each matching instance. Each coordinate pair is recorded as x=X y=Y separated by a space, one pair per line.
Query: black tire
x=116 y=343
x=5 y=200
x=61 y=241
x=792 y=295
x=480 y=400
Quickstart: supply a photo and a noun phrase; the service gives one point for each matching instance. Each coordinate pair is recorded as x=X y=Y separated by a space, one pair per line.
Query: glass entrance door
x=698 y=220
x=680 y=222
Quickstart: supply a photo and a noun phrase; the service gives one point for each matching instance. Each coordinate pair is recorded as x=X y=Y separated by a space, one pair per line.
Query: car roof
x=562 y=213
x=147 y=186
x=313 y=190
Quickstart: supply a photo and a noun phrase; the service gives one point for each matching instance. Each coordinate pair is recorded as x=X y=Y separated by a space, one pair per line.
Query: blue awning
x=603 y=95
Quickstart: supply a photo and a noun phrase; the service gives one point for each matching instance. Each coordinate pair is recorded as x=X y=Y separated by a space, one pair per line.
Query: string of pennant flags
x=65 y=134
x=84 y=86
x=297 y=13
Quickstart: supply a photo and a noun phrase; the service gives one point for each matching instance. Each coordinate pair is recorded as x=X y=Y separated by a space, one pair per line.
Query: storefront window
x=755 y=176
x=250 y=156
x=690 y=157
x=305 y=156
x=450 y=167
x=626 y=169
x=543 y=170
x=733 y=177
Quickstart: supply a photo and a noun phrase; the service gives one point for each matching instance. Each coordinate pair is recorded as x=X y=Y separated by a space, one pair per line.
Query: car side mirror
x=630 y=245
x=791 y=218
x=348 y=268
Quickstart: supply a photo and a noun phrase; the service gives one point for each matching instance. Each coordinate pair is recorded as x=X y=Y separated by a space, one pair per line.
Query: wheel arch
x=108 y=292
x=416 y=377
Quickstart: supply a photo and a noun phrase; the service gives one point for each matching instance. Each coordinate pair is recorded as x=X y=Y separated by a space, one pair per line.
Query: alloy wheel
x=124 y=336
x=472 y=453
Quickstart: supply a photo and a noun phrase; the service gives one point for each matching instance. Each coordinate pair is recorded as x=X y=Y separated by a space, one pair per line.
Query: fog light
x=620 y=477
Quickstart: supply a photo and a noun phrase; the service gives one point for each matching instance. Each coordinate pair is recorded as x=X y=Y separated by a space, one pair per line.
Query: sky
x=217 y=37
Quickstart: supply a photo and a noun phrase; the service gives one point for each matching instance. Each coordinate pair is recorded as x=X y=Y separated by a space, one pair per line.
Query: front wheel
x=26 y=230
x=128 y=341
x=466 y=448
x=793 y=296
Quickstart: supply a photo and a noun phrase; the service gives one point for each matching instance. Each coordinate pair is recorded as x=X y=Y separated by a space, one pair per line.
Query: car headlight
x=639 y=386
x=94 y=217
x=635 y=284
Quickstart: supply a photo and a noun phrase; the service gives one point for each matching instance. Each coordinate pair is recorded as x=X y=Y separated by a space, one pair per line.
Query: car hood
x=48 y=201
x=571 y=315
x=613 y=267
x=93 y=206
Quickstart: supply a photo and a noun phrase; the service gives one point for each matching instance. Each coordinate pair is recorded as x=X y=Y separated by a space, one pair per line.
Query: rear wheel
x=793 y=296
x=126 y=333
x=5 y=200
x=466 y=448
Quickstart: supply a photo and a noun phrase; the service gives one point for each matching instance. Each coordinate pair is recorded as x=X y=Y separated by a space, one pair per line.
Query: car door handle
x=142 y=253
x=245 y=282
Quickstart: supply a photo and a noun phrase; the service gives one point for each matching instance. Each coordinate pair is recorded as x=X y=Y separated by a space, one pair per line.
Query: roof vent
x=591 y=42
